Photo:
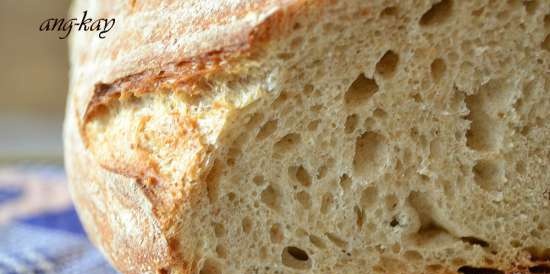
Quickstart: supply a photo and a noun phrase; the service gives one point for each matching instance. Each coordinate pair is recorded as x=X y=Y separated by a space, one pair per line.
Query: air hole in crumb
x=369 y=123
x=231 y=196
x=219 y=230
x=302 y=176
x=285 y=55
x=283 y=97
x=475 y=241
x=322 y=171
x=263 y=254
x=296 y=42
x=221 y=251
x=394 y=222
x=328 y=27
x=389 y=11
x=360 y=91
x=390 y=264
x=430 y=232
x=313 y=125
x=379 y=269
x=316 y=108
x=458 y=261
x=304 y=199
x=531 y=6
x=437 y=14
x=210 y=267
x=276 y=233
x=479 y=270
x=316 y=241
x=308 y=89
x=240 y=141
x=345 y=182
x=515 y=243
x=541 y=268
x=351 y=123
x=254 y=120
x=412 y=255
x=326 y=202
x=295 y=257
x=267 y=129
x=287 y=143
x=247 y=225
x=369 y=197
x=360 y=216
x=301 y=233
x=448 y=188
x=546 y=43
x=438 y=68
x=485 y=132
x=416 y=97
x=387 y=65
x=514 y=3
x=538 y=254
x=270 y=197
x=336 y=240
x=232 y=155
x=379 y=113
x=370 y=153
x=478 y=12
x=429 y=229
x=396 y=248
x=489 y=174
x=212 y=180
x=258 y=180
x=371 y=227
x=503 y=15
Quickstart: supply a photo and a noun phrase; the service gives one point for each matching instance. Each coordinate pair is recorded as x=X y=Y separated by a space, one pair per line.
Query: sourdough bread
x=239 y=136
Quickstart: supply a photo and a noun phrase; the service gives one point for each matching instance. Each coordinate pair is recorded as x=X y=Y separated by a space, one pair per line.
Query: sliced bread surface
x=315 y=137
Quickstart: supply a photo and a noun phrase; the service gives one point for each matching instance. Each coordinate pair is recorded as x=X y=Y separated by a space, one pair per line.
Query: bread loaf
x=322 y=136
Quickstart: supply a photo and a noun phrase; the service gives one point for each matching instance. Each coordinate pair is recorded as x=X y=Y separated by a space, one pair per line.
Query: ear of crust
x=164 y=44
x=160 y=47
x=113 y=209
x=106 y=76
x=131 y=66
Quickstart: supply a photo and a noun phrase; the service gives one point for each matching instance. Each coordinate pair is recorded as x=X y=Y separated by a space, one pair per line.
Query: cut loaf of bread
x=294 y=136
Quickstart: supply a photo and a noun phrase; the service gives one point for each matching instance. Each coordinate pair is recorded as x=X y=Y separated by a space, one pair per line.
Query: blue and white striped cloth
x=39 y=228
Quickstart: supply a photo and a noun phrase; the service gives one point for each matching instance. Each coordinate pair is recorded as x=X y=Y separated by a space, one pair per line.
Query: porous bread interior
x=378 y=138
x=399 y=150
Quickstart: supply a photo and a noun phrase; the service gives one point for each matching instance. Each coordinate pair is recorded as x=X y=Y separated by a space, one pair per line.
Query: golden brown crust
x=173 y=43
x=185 y=73
x=184 y=44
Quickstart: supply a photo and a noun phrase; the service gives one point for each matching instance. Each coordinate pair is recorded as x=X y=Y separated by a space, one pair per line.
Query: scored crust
x=141 y=54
